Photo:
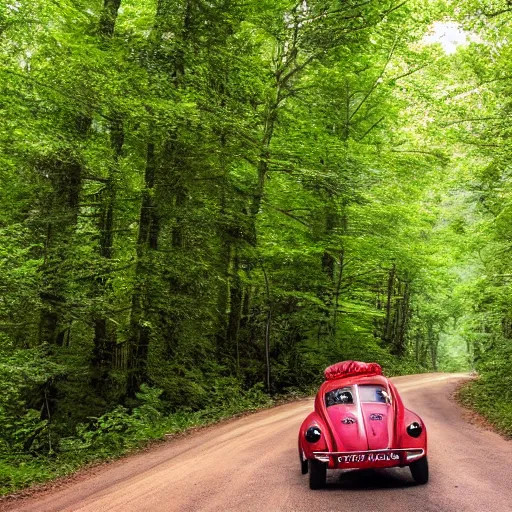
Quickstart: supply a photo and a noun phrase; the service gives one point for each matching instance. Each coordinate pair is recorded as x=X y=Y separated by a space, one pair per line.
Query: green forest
x=204 y=203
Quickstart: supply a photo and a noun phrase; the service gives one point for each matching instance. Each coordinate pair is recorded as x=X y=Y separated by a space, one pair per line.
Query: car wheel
x=303 y=463
x=419 y=470
x=317 y=474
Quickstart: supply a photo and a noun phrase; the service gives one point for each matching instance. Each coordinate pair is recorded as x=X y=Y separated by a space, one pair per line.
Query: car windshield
x=341 y=396
x=373 y=394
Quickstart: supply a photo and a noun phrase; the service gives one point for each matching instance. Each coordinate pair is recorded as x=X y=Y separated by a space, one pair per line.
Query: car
x=359 y=422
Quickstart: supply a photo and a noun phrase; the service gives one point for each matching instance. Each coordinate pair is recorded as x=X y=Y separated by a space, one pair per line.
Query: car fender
x=407 y=441
x=323 y=444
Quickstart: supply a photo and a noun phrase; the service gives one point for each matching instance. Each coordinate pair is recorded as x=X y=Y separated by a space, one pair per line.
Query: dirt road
x=252 y=464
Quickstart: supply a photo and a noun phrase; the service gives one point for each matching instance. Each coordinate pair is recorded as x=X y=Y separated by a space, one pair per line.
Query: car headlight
x=415 y=429
x=313 y=434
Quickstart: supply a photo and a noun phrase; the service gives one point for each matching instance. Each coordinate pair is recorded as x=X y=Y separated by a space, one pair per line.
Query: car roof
x=376 y=380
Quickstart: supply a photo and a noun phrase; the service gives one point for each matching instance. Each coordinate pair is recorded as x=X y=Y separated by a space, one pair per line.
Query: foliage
x=206 y=203
x=119 y=431
x=490 y=396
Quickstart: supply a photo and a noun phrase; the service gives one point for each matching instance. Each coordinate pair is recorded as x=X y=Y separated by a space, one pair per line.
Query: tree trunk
x=388 y=326
x=235 y=311
x=108 y=17
x=138 y=341
x=404 y=321
x=66 y=179
x=337 y=292
x=105 y=334
x=267 y=330
x=149 y=223
x=223 y=294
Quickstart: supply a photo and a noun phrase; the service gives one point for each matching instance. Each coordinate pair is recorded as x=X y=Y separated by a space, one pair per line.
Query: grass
x=489 y=395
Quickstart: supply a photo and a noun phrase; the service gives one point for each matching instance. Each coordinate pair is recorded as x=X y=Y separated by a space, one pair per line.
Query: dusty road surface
x=252 y=464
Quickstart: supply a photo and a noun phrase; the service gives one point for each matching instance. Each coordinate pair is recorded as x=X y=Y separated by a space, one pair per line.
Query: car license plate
x=368 y=457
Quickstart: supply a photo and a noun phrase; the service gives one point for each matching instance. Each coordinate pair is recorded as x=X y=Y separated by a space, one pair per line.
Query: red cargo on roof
x=348 y=368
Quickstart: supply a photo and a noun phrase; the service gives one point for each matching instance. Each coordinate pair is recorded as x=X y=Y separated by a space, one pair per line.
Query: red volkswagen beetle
x=360 y=422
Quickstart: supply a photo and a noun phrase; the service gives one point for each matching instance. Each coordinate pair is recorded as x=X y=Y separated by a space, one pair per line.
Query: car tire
x=303 y=464
x=419 y=470
x=317 y=474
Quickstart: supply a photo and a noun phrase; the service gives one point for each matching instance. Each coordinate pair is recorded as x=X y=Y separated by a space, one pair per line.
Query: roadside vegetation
x=204 y=204
x=120 y=431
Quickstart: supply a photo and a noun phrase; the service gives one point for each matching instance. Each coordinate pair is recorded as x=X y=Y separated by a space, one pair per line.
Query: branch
x=484 y=145
x=419 y=152
x=371 y=128
x=393 y=9
x=105 y=273
x=469 y=119
x=95 y=178
x=497 y=13
x=347 y=262
x=285 y=212
x=300 y=67
x=377 y=80
x=412 y=71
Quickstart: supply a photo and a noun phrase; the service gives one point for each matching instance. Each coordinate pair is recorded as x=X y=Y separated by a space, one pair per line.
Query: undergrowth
x=490 y=396
x=118 y=432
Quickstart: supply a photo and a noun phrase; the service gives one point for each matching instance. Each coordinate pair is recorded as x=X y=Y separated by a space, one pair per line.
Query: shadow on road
x=370 y=479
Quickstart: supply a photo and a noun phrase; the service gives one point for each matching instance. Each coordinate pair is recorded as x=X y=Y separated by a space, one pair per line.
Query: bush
x=490 y=396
